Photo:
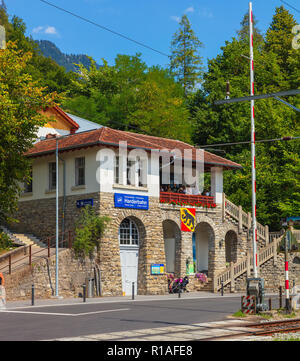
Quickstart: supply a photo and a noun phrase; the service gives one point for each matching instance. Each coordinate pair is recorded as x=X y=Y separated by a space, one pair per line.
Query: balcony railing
x=189 y=198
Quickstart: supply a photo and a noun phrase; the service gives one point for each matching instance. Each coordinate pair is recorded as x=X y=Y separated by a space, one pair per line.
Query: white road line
x=64 y=314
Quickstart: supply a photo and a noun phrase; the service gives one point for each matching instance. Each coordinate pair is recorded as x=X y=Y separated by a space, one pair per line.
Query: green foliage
x=185 y=59
x=20 y=102
x=43 y=70
x=131 y=96
x=277 y=163
x=5 y=241
x=88 y=232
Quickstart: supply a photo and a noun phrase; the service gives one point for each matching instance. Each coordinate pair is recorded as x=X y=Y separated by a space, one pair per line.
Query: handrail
x=189 y=198
x=33 y=255
x=244 y=219
x=237 y=269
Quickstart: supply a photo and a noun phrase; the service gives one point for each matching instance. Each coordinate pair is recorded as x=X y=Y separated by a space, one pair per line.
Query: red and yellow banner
x=188 y=219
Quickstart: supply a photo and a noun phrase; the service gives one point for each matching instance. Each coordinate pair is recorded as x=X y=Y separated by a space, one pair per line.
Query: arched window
x=128 y=233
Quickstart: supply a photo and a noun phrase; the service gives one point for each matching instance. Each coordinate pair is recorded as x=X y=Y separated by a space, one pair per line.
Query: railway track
x=262 y=329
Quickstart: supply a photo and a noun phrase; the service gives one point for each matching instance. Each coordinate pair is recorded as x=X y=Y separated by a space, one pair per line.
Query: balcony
x=188 y=199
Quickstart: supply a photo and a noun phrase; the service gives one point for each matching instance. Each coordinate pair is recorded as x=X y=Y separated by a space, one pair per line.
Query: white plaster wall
x=98 y=166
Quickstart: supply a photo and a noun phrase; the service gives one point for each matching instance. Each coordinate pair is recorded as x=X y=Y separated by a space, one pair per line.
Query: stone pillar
x=217 y=184
x=186 y=251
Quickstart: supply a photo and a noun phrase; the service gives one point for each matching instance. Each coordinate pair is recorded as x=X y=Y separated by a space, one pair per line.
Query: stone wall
x=38 y=218
x=72 y=275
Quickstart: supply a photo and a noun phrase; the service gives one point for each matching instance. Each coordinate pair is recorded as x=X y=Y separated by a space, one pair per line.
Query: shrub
x=88 y=232
x=5 y=241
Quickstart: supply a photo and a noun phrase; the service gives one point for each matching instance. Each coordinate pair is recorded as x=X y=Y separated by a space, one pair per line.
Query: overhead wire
x=105 y=28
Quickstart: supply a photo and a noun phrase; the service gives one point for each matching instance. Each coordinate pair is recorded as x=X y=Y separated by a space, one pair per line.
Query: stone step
x=23 y=239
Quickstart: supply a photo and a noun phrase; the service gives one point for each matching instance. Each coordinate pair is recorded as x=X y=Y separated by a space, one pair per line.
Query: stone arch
x=204 y=247
x=231 y=246
x=172 y=240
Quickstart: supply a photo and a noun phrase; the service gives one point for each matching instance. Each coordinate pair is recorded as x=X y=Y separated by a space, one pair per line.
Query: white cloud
x=176 y=18
x=37 y=30
x=189 y=10
x=50 y=30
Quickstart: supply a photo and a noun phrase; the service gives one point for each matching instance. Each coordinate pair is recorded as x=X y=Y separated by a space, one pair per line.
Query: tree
x=185 y=60
x=88 y=232
x=277 y=163
x=131 y=96
x=20 y=101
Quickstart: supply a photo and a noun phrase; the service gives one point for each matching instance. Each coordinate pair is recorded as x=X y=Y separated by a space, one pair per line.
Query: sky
x=151 y=22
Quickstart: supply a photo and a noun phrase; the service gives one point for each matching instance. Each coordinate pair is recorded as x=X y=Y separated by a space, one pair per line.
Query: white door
x=129 y=268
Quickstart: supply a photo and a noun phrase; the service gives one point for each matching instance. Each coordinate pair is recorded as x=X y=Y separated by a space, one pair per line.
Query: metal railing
x=32 y=253
x=185 y=198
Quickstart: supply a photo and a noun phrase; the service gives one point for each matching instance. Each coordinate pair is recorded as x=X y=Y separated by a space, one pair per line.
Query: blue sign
x=131 y=201
x=84 y=202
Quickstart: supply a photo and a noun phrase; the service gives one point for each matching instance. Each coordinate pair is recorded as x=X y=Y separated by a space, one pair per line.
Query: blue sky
x=152 y=22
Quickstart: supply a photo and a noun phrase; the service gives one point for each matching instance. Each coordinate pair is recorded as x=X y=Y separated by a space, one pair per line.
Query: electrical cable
x=249 y=141
x=290 y=6
x=105 y=28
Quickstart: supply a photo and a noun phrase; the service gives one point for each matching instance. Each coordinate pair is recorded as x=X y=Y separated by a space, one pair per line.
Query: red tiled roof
x=112 y=137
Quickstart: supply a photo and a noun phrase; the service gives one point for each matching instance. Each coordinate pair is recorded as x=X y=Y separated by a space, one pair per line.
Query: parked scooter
x=179 y=285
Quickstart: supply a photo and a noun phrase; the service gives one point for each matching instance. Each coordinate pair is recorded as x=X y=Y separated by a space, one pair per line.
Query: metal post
x=30 y=255
x=48 y=241
x=287 y=290
x=280 y=296
x=32 y=295
x=222 y=288
x=84 y=292
x=253 y=164
x=56 y=246
x=133 y=290
x=270 y=304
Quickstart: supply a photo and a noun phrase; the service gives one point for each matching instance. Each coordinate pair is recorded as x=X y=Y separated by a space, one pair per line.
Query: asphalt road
x=35 y=323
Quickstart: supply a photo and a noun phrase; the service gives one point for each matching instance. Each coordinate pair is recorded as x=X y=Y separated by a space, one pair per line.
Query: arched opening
x=172 y=236
x=203 y=239
x=131 y=235
x=230 y=247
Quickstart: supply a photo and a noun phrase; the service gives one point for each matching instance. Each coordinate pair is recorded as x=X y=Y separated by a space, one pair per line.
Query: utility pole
x=57 y=215
x=253 y=165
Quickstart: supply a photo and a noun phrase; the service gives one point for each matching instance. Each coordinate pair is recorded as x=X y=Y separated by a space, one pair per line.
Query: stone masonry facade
x=38 y=218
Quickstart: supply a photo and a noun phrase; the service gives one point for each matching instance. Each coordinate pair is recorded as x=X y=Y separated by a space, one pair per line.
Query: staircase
x=268 y=243
x=23 y=239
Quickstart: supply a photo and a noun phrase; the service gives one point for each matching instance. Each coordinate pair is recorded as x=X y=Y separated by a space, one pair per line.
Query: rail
x=244 y=219
x=185 y=198
x=12 y=262
x=235 y=270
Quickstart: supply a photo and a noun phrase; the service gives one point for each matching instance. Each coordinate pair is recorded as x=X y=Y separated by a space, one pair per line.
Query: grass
x=239 y=313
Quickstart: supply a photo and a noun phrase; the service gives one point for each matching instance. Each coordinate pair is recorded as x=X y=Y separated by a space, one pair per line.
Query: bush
x=88 y=232
x=5 y=241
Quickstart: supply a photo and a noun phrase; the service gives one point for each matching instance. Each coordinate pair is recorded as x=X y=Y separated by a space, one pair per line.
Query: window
x=117 y=170
x=142 y=172
x=80 y=171
x=28 y=184
x=52 y=175
x=130 y=172
x=128 y=233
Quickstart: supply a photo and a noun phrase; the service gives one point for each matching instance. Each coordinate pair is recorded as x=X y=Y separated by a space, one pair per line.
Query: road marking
x=64 y=314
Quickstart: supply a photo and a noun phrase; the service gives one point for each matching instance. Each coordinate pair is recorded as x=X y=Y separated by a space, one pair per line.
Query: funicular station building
x=154 y=231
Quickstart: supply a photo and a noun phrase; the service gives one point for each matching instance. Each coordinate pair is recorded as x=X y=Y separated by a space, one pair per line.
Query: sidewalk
x=115 y=299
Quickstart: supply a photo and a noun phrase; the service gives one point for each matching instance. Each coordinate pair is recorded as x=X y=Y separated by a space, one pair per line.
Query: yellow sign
x=188 y=219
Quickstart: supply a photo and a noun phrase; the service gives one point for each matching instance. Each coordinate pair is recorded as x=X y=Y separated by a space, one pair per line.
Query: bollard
x=133 y=290
x=84 y=292
x=270 y=304
x=222 y=288
x=32 y=295
x=280 y=296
